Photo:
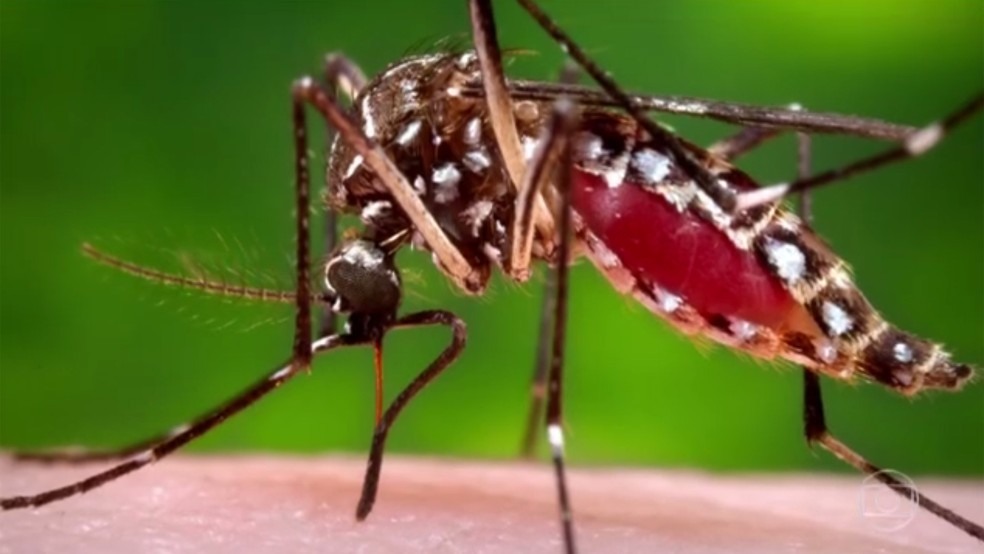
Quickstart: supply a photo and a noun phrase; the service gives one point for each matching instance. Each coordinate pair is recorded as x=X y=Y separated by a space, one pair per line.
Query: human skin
x=260 y=504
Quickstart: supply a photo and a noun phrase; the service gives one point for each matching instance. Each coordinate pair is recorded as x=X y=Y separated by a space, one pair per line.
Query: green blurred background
x=160 y=131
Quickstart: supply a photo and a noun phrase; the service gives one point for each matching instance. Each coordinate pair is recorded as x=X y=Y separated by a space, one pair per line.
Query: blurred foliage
x=160 y=131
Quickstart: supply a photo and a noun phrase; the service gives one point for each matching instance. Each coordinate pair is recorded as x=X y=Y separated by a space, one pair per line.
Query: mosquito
x=442 y=153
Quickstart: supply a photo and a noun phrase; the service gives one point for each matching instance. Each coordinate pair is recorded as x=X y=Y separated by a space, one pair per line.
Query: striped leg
x=181 y=435
x=538 y=384
x=302 y=297
x=563 y=122
x=815 y=423
x=915 y=145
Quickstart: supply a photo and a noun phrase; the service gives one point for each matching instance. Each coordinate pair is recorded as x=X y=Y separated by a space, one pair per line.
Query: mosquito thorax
x=442 y=142
x=363 y=279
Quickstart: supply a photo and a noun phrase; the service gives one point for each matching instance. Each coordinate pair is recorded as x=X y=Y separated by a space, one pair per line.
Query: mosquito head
x=363 y=279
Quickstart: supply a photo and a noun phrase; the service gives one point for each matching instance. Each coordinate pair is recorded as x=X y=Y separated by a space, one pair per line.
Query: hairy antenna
x=217 y=288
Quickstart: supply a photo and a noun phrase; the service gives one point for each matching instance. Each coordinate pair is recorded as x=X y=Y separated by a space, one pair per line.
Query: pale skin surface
x=299 y=505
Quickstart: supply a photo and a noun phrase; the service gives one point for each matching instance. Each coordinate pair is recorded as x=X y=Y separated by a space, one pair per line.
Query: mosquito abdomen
x=759 y=280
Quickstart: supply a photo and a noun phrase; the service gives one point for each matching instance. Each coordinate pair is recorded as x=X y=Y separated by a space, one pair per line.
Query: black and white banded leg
x=563 y=123
x=914 y=145
x=814 y=420
x=182 y=435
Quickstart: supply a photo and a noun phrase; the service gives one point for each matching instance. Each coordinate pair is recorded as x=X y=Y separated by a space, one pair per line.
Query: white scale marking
x=178 y=430
x=743 y=330
x=529 y=147
x=762 y=195
x=788 y=260
x=465 y=59
x=375 y=209
x=679 y=197
x=353 y=167
x=473 y=131
x=320 y=344
x=653 y=166
x=281 y=373
x=588 y=146
x=556 y=437
x=902 y=352
x=826 y=351
x=145 y=457
x=923 y=139
x=409 y=133
x=668 y=302
x=410 y=96
x=837 y=320
x=369 y=127
x=477 y=160
x=359 y=255
x=446 y=177
x=614 y=175
x=477 y=213
x=687 y=107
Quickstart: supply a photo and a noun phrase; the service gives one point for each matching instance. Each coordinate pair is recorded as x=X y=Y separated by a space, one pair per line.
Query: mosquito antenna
x=218 y=288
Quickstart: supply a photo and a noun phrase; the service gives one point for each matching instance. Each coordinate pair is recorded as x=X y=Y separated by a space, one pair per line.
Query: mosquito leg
x=916 y=144
x=341 y=75
x=73 y=455
x=742 y=142
x=804 y=166
x=729 y=112
x=815 y=423
x=817 y=433
x=182 y=435
x=302 y=208
x=501 y=111
x=301 y=358
x=370 y=485
x=538 y=385
x=461 y=272
x=751 y=137
x=540 y=172
x=702 y=176
x=543 y=166
x=565 y=114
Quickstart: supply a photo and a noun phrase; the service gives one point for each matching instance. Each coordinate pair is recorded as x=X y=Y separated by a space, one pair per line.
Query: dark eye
x=364 y=279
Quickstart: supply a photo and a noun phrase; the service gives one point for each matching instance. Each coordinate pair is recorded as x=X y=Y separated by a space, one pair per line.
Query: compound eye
x=364 y=279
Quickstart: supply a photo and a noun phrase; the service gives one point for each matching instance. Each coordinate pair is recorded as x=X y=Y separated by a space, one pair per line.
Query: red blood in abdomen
x=680 y=252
